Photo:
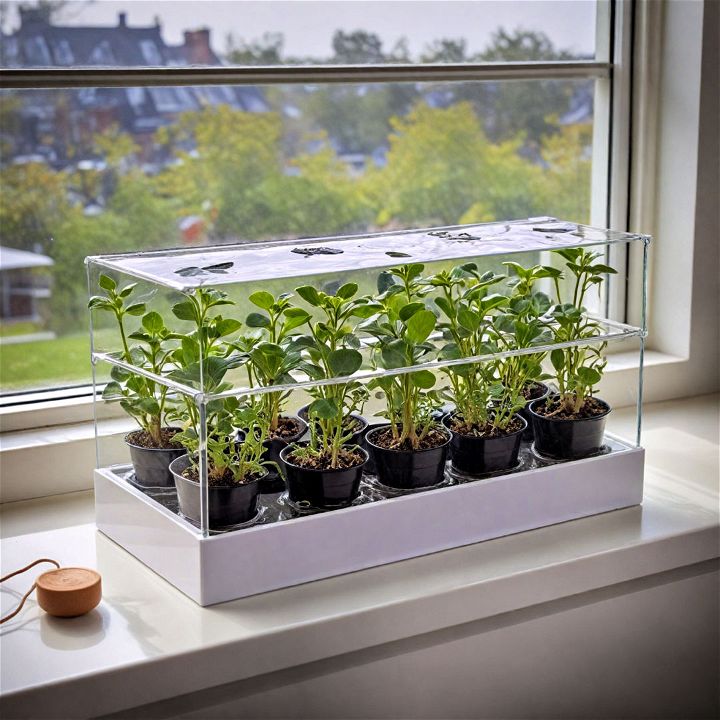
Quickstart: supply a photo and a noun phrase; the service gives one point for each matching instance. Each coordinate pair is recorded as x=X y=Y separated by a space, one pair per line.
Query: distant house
x=21 y=285
x=51 y=126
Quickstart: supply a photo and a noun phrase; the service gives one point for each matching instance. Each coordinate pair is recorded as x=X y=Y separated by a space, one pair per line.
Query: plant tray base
x=266 y=557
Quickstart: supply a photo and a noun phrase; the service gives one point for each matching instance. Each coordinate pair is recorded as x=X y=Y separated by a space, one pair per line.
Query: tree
x=564 y=189
x=508 y=108
x=357 y=48
x=322 y=199
x=446 y=50
x=441 y=168
x=33 y=200
x=268 y=50
x=521 y=46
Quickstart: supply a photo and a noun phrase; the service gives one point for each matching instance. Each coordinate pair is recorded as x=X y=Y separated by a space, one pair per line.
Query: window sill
x=87 y=671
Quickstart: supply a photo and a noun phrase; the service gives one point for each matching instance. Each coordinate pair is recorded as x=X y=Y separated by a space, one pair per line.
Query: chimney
x=122 y=19
x=197 y=47
x=34 y=15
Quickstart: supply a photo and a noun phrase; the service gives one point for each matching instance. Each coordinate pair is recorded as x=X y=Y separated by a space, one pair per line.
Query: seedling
x=402 y=329
x=522 y=324
x=469 y=308
x=271 y=350
x=142 y=398
x=204 y=358
x=578 y=369
x=235 y=446
x=332 y=350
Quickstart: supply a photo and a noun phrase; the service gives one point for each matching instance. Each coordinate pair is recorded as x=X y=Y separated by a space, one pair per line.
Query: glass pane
x=95 y=171
x=144 y=33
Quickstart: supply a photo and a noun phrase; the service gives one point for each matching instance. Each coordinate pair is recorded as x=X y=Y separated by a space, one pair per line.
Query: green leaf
x=366 y=310
x=347 y=291
x=407 y=311
x=153 y=322
x=450 y=352
x=136 y=309
x=600 y=268
x=414 y=270
x=588 y=376
x=468 y=319
x=344 y=362
x=557 y=358
x=149 y=406
x=227 y=326
x=491 y=302
x=107 y=283
x=257 y=320
x=127 y=290
x=420 y=325
x=518 y=269
x=540 y=303
x=393 y=354
x=294 y=317
x=446 y=306
x=547 y=271
x=184 y=310
x=119 y=374
x=504 y=323
x=423 y=379
x=111 y=391
x=262 y=299
x=351 y=340
x=385 y=281
x=100 y=303
x=309 y=294
x=323 y=408
x=139 y=335
x=496 y=390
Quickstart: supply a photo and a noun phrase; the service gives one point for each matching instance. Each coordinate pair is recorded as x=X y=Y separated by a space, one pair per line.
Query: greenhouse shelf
x=283 y=540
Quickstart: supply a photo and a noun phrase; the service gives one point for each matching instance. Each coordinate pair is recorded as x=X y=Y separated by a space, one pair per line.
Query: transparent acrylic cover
x=185 y=269
x=279 y=267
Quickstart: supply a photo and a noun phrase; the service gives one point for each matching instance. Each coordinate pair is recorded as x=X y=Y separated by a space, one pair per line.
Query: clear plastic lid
x=186 y=269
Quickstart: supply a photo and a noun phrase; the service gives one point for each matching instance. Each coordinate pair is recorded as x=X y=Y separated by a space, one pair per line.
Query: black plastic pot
x=324 y=489
x=561 y=439
x=357 y=436
x=227 y=504
x=151 y=464
x=539 y=394
x=370 y=465
x=408 y=469
x=473 y=455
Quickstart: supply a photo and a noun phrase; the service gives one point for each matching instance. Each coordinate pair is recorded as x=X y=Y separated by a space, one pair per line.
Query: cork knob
x=69 y=591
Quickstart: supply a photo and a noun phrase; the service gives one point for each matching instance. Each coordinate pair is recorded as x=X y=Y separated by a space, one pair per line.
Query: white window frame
x=635 y=86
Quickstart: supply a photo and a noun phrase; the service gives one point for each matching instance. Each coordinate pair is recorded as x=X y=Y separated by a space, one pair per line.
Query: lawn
x=33 y=365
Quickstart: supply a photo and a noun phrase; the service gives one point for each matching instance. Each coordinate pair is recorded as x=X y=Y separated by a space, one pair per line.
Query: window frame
x=611 y=69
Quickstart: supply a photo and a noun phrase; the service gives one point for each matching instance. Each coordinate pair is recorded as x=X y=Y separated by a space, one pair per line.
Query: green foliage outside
x=254 y=176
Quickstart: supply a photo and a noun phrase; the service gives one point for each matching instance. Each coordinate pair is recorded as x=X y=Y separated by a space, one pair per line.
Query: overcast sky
x=308 y=25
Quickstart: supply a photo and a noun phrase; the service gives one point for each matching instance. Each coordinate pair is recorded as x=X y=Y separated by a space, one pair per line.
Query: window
x=346 y=131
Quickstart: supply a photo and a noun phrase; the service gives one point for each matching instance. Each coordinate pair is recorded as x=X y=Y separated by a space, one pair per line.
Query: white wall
x=684 y=315
x=642 y=649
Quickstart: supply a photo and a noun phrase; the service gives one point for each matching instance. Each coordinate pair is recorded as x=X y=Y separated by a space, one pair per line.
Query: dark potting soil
x=225 y=480
x=433 y=439
x=346 y=459
x=142 y=439
x=487 y=430
x=288 y=427
x=532 y=392
x=552 y=408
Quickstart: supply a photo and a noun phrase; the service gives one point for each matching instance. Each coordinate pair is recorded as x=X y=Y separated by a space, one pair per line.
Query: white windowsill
x=86 y=667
